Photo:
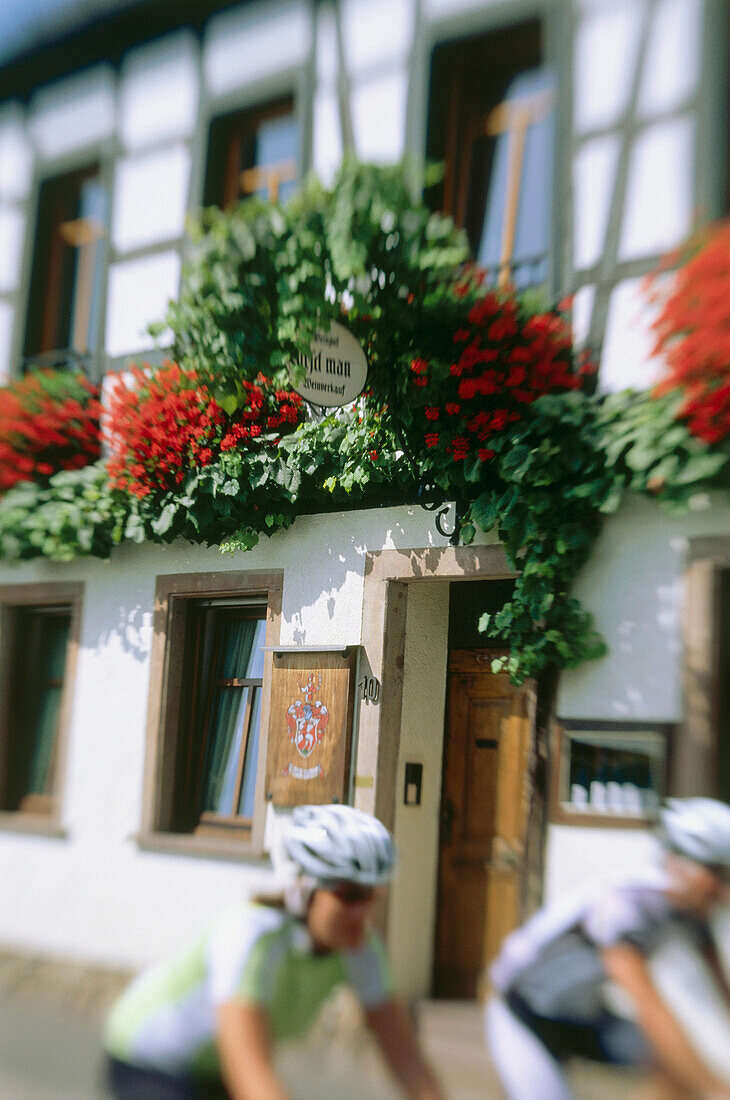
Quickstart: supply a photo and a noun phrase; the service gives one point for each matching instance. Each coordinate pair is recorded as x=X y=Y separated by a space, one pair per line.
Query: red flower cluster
x=168 y=423
x=693 y=334
x=266 y=410
x=505 y=362
x=49 y=421
x=159 y=428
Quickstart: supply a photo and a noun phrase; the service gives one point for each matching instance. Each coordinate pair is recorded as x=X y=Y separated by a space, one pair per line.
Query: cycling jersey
x=255 y=954
x=554 y=959
x=554 y=1001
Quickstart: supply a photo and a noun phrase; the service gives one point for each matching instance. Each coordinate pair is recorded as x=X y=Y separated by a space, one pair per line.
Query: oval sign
x=336 y=368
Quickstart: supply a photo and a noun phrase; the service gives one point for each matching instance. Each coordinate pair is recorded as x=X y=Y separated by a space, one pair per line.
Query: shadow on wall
x=133 y=629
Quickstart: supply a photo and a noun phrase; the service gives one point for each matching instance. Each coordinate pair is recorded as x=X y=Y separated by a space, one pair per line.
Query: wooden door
x=483 y=822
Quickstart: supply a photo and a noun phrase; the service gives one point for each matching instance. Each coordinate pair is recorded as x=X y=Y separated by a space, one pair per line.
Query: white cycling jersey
x=257 y=954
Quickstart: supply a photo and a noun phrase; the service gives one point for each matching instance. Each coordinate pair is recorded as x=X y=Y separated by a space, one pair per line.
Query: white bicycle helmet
x=698 y=828
x=339 y=843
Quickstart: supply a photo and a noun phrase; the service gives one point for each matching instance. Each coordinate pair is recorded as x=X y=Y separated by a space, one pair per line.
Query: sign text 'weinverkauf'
x=336 y=368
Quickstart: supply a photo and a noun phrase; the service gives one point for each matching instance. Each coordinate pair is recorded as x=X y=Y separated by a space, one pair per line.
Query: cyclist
x=552 y=977
x=204 y=1025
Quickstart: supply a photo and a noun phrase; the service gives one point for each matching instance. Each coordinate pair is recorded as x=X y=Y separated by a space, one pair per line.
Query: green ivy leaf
x=484 y=511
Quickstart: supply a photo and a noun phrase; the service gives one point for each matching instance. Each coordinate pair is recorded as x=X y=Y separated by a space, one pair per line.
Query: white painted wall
x=16 y=158
x=150 y=198
x=73 y=113
x=113 y=903
x=251 y=43
x=634 y=585
x=93 y=893
x=159 y=92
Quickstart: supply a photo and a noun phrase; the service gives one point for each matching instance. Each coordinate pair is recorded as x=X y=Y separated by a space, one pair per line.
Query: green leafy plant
x=262 y=279
x=550 y=489
x=472 y=394
x=76 y=514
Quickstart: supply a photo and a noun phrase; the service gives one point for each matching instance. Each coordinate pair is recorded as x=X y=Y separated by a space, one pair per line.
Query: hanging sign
x=336 y=368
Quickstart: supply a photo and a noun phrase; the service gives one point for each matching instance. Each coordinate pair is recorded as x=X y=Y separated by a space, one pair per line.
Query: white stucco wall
x=634 y=585
x=92 y=893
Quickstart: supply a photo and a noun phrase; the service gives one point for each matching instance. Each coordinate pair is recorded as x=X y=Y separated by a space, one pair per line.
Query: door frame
x=388 y=577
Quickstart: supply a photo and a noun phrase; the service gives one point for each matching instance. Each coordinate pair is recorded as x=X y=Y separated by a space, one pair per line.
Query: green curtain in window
x=237 y=638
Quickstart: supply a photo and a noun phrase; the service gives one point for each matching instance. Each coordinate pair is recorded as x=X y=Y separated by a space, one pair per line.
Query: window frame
x=555 y=19
x=702 y=762
x=566 y=729
x=41 y=813
x=43 y=291
x=226 y=125
x=102 y=155
x=162 y=816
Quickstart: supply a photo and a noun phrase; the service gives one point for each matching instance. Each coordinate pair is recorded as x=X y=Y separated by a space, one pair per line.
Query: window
x=208 y=706
x=227 y=678
x=491 y=124
x=610 y=772
x=38 y=629
x=253 y=152
x=64 y=308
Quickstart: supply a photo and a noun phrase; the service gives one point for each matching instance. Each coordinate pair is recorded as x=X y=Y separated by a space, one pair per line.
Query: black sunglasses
x=350 y=893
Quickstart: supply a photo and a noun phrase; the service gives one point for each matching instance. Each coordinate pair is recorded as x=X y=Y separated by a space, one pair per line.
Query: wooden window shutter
x=310 y=726
x=694 y=767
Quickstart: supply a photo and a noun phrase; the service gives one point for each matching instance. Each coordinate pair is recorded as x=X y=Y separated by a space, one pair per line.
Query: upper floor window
x=64 y=309
x=491 y=124
x=255 y=151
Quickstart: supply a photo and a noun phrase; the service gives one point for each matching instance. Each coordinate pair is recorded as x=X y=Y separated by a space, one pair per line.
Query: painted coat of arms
x=307 y=719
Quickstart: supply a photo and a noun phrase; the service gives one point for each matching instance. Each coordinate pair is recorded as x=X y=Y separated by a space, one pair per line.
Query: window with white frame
x=255 y=151
x=66 y=288
x=491 y=124
x=610 y=771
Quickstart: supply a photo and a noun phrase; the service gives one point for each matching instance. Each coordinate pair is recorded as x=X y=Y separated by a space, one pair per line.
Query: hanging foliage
x=471 y=393
x=262 y=279
x=502 y=359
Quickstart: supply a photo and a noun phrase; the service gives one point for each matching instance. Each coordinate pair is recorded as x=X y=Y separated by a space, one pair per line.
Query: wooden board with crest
x=310 y=726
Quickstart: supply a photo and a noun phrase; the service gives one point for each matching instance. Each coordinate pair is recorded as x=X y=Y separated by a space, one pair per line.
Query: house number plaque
x=369 y=689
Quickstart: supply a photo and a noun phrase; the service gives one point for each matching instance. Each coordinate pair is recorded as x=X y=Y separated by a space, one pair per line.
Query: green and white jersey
x=254 y=954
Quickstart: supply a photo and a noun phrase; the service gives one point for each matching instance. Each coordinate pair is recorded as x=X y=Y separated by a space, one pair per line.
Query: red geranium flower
x=49 y=421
